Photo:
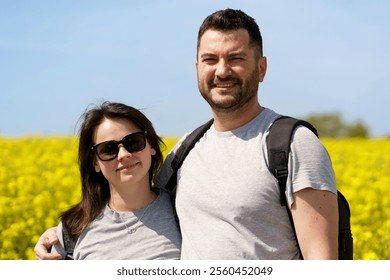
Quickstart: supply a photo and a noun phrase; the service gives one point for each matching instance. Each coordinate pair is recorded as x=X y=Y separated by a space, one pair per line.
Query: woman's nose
x=123 y=153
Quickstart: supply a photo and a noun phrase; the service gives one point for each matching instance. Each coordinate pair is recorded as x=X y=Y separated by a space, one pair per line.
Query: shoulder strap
x=183 y=151
x=69 y=243
x=278 y=145
x=345 y=232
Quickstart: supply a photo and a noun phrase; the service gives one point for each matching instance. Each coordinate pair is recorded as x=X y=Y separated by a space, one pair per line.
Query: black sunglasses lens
x=134 y=142
x=107 y=151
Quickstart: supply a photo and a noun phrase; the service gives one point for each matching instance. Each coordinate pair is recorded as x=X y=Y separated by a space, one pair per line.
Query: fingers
x=44 y=244
x=42 y=252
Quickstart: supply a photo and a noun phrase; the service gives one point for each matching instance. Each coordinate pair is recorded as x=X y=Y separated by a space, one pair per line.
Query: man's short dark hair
x=229 y=19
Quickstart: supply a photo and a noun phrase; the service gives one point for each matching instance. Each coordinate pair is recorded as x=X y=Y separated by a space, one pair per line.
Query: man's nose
x=223 y=69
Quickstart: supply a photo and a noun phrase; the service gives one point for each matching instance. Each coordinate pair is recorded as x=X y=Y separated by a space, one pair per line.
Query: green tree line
x=332 y=125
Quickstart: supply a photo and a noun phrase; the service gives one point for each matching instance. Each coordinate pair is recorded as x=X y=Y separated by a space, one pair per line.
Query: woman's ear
x=152 y=151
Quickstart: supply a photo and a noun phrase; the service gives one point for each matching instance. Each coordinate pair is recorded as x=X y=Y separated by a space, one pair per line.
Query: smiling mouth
x=224 y=85
x=127 y=167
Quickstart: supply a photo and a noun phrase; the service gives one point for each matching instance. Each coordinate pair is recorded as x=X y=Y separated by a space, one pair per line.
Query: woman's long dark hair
x=95 y=189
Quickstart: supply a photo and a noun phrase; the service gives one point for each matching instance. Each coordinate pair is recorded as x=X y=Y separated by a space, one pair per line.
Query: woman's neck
x=131 y=198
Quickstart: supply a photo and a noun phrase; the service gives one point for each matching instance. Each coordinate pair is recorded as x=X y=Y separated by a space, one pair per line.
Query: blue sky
x=58 y=57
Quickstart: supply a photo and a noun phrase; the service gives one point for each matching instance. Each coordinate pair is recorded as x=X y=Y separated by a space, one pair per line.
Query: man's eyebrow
x=210 y=54
x=207 y=54
x=238 y=53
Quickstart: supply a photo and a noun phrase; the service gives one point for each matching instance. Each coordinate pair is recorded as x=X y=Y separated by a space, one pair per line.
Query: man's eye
x=237 y=59
x=209 y=60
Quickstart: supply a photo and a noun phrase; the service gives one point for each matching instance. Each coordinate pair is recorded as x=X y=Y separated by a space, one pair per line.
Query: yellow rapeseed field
x=39 y=179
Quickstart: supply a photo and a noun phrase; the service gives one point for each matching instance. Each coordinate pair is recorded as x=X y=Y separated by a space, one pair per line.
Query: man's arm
x=45 y=242
x=315 y=215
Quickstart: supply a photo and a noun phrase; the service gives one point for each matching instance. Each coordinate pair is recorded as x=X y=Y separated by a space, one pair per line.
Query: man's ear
x=262 y=68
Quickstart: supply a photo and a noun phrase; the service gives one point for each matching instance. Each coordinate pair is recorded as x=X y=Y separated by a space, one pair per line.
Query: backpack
x=69 y=243
x=278 y=145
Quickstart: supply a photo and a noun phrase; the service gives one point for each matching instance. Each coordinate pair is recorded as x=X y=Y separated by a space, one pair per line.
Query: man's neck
x=226 y=121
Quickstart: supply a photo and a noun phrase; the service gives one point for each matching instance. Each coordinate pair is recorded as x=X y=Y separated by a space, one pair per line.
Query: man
x=228 y=203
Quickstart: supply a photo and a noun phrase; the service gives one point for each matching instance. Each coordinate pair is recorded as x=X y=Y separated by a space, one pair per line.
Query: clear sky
x=58 y=57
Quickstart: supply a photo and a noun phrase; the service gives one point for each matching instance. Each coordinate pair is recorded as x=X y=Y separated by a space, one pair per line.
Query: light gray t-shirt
x=228 y=202
x=148 y=234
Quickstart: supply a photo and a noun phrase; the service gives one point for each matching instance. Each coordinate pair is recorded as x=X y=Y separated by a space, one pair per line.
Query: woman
x=120 y=215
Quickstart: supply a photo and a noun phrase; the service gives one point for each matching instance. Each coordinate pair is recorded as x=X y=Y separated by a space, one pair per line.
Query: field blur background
x=328 y=62
x=39 y=178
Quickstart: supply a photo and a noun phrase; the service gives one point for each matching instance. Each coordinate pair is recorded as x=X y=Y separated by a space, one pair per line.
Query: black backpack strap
x=182 y=153
x=69 y=243
x=278 y=144
x=345 y=232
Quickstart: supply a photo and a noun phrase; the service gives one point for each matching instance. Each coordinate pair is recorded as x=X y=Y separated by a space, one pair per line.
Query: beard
x=235 y=99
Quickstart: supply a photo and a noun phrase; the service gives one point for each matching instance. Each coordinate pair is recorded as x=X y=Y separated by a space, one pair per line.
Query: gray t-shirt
x=148 y=234
x=228 y=202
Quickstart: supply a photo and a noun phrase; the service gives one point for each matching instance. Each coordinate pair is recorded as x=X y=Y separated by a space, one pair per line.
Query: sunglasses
x=109 y=150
